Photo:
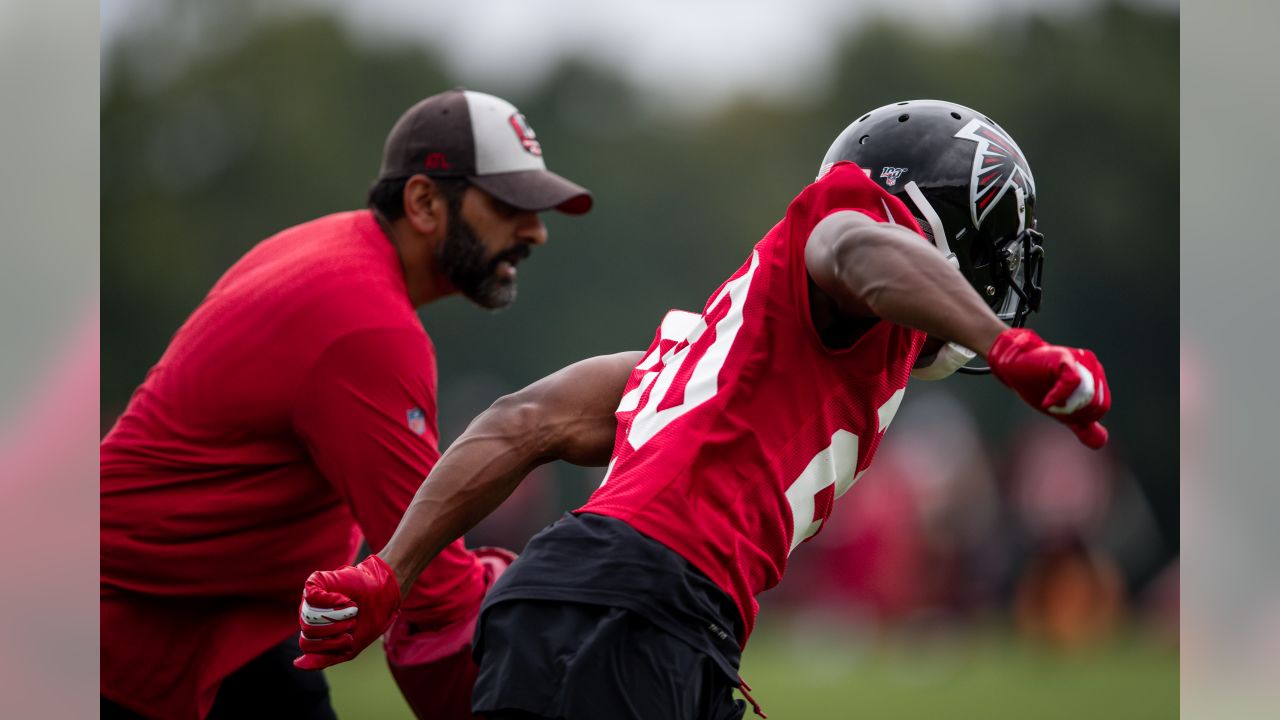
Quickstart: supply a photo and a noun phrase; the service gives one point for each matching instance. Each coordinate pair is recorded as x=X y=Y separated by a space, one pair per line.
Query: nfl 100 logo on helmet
x=891 y=174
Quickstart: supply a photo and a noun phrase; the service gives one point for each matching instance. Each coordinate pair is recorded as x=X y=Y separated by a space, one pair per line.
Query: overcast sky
x=710 y=48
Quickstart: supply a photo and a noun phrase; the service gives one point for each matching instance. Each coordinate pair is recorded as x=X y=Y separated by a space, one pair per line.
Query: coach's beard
x=463 y=262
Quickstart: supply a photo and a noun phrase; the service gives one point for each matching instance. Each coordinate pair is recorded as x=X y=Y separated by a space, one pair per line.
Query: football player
x=914 y=251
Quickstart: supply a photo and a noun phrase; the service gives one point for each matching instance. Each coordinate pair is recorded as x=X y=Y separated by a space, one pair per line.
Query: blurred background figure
x=696 y=123
x=918 y=546
x=1069 y=590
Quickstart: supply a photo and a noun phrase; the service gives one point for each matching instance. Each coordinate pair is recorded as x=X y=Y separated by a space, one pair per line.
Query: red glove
x=434 y=668
x=344 y=610
x=1068 y=384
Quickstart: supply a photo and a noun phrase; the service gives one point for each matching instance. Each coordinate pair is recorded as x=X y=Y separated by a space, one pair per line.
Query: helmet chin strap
x=944 y=363
x=935 y=222
x=950 y=357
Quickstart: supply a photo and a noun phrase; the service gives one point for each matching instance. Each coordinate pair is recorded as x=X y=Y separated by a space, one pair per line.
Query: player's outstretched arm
x=872 y=269
x=568 y=415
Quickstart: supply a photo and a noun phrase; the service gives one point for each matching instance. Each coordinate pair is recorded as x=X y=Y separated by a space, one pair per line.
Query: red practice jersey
x=739 y=428
x=295 y=409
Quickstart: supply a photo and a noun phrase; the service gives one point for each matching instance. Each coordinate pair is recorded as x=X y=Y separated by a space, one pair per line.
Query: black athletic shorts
x=269 y=686
x=596 y=621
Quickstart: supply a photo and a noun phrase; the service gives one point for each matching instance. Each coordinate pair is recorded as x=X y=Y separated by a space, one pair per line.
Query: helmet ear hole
x=980 y=255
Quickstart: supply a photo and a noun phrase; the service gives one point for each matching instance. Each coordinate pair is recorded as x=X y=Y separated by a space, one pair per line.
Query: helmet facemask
x=1006 y=271
x=1020 y=266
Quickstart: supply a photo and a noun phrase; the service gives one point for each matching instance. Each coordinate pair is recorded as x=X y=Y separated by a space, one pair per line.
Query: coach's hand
x=433 y=665
x=1068 y=384
x=344 y=610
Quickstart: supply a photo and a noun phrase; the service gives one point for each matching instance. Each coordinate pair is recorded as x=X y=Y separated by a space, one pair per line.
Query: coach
x=294 y=411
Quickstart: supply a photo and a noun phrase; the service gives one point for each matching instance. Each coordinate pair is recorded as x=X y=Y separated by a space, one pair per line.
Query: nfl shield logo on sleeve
x=417 y=420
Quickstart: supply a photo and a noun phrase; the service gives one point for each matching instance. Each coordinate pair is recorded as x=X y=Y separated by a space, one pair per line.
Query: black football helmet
x=969 y=187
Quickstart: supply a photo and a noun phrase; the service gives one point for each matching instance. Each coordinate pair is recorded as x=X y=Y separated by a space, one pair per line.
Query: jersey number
x=682 y=371
x=829 y=475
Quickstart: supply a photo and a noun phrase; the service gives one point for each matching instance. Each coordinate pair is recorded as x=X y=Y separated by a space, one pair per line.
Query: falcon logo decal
x=998 y=164
x=528 y=138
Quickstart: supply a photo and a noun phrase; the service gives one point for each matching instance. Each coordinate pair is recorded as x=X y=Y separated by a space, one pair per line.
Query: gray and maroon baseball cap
x=484 y=139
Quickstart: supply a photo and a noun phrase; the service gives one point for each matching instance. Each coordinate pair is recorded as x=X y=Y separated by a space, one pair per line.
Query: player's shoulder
x=843 y=184
x=845 y=173
x=846 y=186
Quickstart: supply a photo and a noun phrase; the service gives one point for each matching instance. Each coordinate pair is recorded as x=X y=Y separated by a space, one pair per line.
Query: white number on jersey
x=708 y=358
x=834 y=465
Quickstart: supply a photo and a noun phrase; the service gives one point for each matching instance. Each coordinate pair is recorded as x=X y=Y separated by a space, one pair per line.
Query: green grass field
x=799 y=675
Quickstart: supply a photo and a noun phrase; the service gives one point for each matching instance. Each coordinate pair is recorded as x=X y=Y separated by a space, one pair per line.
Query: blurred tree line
x=205 y=153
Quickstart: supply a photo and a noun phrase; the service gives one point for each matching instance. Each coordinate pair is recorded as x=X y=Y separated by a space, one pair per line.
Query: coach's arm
x=568 y=415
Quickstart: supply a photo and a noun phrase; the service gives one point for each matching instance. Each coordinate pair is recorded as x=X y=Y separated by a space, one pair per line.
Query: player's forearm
x=478 y=472
x=905 y=281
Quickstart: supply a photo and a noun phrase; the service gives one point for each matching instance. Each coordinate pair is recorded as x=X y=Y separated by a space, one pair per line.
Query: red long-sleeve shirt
x=295 y=409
